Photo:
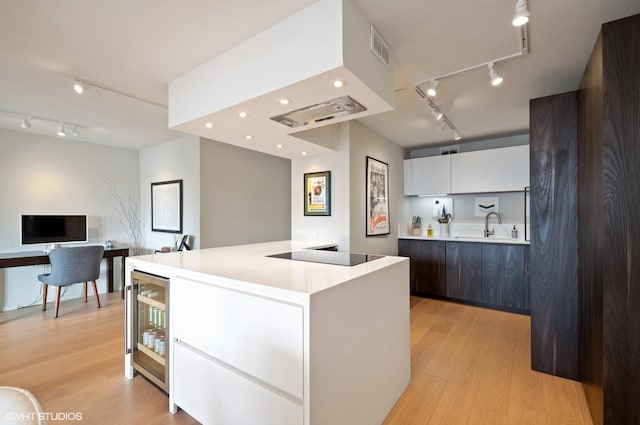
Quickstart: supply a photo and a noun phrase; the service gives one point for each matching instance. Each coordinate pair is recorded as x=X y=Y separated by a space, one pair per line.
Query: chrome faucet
x=488 y=232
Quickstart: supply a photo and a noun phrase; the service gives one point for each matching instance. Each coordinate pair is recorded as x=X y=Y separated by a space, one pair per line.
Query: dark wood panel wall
x=590 y=176
x=610 y=200
x=554 y=294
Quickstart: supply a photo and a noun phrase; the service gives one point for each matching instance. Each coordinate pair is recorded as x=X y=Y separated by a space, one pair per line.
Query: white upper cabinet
x=491 y=170
x=432 y=175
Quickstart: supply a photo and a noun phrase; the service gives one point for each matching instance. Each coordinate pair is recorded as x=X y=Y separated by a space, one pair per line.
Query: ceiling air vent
x=448 y=150
x=379 y=47
x=334 y=108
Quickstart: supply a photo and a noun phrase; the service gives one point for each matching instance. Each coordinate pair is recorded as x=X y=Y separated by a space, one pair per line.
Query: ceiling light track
x=27 y=121
x=495 y=78
x=80 y=86
x=524 y=50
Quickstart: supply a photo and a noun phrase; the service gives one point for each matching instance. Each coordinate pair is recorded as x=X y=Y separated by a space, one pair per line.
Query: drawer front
x=261 y=337
x=215 y=395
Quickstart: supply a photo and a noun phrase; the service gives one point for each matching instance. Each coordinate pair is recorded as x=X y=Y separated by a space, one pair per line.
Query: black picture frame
x=317 y=193
x=166 y=206
x=377 y=221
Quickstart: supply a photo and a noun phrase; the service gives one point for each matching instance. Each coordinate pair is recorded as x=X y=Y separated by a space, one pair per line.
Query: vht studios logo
x=29 y=417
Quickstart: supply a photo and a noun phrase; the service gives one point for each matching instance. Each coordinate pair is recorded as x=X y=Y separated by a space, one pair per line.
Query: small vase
x=444 y=230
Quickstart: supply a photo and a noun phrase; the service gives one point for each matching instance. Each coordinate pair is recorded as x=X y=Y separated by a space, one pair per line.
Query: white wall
x=175 y=160
x=334 y=228
x=45 y=175
x=366 y=142
x=346 y=226
x=244 y=196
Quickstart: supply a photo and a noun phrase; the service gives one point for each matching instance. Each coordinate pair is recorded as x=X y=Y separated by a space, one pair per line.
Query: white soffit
x=296 y=59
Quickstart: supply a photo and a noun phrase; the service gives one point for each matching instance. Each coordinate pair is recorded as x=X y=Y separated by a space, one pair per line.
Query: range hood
x=334 y=108
x=281 y=80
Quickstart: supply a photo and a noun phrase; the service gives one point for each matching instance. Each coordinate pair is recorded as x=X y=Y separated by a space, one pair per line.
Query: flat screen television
x=40 y=229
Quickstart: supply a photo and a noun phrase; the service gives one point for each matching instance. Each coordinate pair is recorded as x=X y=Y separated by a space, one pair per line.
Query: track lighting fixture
x=433 y=89
x=437 y=113
x=78 y=86
x=26 y=123
x=522 y=14
x=61 y=131
x=496 y=79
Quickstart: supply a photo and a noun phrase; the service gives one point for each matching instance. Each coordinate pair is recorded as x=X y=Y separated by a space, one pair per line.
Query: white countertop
x=480 y=239
x=249 y=264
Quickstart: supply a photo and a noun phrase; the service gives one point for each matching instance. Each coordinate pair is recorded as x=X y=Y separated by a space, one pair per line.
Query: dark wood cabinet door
x=427 y=265
x=464 y=271
x=503 y=275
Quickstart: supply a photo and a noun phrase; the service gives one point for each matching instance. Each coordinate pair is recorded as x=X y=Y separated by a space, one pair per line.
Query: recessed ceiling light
x=242 y=114
x=279 y=146
x=338 y=83
x=248 y=137
x=209 y=125
x=303 y=153
x=284 y=101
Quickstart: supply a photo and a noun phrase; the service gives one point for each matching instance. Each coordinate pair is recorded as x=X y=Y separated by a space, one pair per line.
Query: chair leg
x=44 y=296
x=57 y=305
x=95 y=291
x=85 y=292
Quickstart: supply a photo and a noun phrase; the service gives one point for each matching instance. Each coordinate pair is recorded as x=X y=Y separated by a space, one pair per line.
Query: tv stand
x=34 y=258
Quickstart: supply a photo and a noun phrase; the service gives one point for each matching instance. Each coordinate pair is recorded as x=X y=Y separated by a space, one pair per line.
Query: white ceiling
x=139 y=46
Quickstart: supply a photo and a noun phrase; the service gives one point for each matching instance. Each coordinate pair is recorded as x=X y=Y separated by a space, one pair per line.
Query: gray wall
x=245 y=196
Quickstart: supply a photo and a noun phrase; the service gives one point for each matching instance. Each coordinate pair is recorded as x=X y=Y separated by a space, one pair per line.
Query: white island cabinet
x=259 y=340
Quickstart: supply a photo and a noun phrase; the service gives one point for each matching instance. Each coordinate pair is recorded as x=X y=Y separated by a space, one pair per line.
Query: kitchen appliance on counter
x=327 y=257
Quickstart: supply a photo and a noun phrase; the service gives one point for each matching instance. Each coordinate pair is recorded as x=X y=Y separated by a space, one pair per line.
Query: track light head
x=26 y=123
x=74 y=131
x=79 y=86
x=456 y=135
x=61 y=131
x=522 y=14
x=433 y=89
x=437 y=113
x=496 y=79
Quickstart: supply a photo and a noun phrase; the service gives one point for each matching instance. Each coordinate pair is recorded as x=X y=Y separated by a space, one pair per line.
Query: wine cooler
x=148 y=341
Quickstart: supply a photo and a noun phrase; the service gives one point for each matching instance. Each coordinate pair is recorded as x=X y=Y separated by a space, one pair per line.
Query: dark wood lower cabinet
x=486 y=274
x=464 y=271
x=503 y=272
x=427 y=265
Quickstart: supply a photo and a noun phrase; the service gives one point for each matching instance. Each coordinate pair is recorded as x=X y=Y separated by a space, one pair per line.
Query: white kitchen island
x=260 y=340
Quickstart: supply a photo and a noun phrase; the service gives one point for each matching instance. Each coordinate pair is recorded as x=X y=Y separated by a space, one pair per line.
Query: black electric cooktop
x=327 y=257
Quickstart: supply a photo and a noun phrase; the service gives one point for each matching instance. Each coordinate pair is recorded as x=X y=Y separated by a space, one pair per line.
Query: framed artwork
x=317 y=193
x=377 y=187
x=166 y=206
x=486 y=204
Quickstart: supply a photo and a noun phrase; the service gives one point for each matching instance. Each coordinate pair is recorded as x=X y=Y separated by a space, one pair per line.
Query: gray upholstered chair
x=72 y=265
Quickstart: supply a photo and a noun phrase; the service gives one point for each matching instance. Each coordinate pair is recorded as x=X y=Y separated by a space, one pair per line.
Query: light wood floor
x=469 y=366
